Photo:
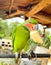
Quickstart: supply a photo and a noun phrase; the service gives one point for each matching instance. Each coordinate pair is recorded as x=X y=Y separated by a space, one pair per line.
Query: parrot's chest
x=21 y=38
x=20 y=41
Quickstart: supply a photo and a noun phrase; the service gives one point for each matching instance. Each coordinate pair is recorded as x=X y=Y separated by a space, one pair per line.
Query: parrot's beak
x=29 y=26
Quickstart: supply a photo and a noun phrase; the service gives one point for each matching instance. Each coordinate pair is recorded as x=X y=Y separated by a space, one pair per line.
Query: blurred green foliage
x=6 y=29
x=47 y=40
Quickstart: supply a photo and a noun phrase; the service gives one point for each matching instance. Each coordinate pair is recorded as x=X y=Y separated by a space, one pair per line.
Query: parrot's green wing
x=13 y=37
x=20 y=38
x=26 y=47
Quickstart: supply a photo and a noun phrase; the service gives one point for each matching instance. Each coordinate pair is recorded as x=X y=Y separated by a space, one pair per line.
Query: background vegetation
x=7 y=29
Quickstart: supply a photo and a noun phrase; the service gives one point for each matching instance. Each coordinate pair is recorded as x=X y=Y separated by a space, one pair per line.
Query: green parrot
x=20 y=37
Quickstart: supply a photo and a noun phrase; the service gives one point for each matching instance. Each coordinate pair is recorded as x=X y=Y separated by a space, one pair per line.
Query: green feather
x=33 y=21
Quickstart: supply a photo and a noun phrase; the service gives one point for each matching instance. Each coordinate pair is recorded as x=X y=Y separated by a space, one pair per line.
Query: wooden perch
x=25 y=55
x=38 y=7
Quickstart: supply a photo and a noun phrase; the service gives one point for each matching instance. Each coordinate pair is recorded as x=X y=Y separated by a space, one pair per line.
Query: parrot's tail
x=17 y=61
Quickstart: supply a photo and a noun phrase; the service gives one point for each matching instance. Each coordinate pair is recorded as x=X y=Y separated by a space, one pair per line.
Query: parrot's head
x=30 y=24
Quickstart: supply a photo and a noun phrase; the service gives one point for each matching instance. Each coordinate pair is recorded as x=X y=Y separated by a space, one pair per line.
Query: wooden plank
x=43 y=18
x=47 y=9
x=16 y=13
x=38 y=7
x=12 y=2
x=5 y=5
x=49 y=26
